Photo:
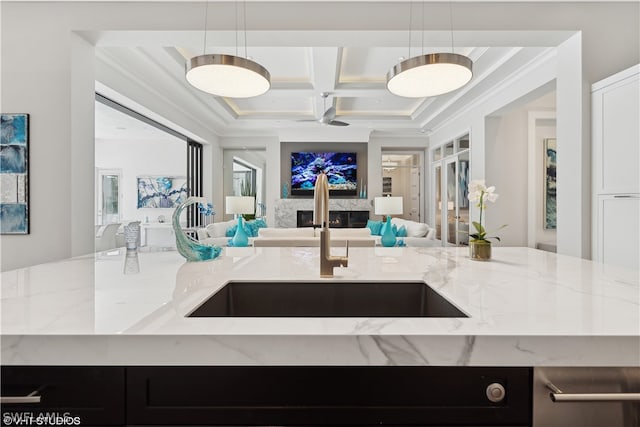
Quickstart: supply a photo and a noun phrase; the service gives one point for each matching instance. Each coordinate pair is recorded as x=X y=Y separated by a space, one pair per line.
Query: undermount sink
x=326 y=299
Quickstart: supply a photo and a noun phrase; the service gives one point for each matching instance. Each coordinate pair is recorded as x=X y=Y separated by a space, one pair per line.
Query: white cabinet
x=616 y=169
x=158 y=235
x=618 y=234
x=616 y=133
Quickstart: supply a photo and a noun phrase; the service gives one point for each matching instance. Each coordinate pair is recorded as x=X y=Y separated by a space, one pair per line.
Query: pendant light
x=227 y=75
x=432 y=74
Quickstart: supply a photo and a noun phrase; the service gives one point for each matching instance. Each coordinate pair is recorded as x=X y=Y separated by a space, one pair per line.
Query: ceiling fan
x=329 y=114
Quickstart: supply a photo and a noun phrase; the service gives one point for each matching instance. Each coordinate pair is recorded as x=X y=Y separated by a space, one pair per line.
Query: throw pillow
x=231 y=231
x=402 y=232
x=251 y=228
x=375 y=227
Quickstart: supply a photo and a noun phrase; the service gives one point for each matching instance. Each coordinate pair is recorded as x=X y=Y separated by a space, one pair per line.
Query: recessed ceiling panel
x=383 y=105
x=367 y=65
x=272 y=105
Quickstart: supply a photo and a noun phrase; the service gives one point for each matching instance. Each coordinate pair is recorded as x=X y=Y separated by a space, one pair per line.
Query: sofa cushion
x=414 y=229
x=286 y=232
x=219 y=229
x=375 y=227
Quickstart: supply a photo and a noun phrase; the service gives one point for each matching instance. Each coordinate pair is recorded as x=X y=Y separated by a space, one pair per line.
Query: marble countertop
x=526 y=308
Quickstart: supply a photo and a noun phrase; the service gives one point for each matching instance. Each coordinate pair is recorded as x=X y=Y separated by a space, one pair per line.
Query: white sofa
x=418 y=233
x=215 y=234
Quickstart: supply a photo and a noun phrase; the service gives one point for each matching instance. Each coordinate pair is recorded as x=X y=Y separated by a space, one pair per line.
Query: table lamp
x=239 y=205
x=387 y=206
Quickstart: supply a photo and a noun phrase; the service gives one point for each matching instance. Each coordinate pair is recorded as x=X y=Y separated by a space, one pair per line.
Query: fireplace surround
x=286 y=210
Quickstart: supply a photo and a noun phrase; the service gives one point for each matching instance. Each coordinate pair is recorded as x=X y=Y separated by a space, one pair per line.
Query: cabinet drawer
x=312 y=395
x=88 y=395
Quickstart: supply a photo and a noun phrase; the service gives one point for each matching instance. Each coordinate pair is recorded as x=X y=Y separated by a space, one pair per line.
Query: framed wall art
x=14 y=173
x=549 y=196
x=161 y=191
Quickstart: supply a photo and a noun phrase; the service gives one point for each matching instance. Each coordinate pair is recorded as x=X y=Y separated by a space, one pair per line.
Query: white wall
x=498 y=128
x=507 y=156
x=142 y=158
x=506 y=167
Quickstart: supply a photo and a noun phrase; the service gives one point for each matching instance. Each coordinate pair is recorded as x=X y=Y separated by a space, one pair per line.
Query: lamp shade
x=227 y=75
x=429 y=75
x=240 y=204
x=388 y=205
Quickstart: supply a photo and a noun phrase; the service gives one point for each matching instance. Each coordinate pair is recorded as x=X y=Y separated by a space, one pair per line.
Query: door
x=437 y=180
x=449 y=205
x=109 y=196
x=414 y=195
x=454 y=203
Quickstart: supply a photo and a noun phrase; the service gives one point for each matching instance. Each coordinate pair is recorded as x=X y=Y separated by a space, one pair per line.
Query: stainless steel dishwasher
x=586 y=397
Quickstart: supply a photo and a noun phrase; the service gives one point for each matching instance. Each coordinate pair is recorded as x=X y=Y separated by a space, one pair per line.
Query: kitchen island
x=525 y=308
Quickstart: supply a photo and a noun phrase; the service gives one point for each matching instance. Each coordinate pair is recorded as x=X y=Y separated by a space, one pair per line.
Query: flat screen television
x=341 y=170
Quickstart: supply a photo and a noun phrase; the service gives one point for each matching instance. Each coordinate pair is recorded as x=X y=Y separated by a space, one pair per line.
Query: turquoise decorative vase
x=188 y=247
x=240 y=239
x=388 y=239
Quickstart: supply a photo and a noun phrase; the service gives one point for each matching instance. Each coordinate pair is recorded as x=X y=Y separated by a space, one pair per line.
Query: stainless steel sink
x=326 y=299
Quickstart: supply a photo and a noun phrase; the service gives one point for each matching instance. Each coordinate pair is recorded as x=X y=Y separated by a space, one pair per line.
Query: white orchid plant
x=481 y=194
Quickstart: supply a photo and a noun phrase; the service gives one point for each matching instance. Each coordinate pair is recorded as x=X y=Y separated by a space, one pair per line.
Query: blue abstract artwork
x=14 y=171
x=550 y=210
x=161 y=191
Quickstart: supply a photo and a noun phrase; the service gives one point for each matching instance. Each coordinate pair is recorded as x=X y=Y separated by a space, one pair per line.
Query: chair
x=106 y=237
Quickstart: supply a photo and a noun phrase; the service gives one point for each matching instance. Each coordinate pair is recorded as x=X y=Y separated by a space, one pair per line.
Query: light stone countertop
x=527 y=308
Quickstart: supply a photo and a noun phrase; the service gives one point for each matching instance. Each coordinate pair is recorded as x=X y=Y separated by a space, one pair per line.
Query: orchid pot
x=480 y=250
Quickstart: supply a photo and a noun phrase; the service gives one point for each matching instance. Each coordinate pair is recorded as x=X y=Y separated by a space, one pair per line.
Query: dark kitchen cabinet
x=316 y=395
x=63 y=395
x=272 y=395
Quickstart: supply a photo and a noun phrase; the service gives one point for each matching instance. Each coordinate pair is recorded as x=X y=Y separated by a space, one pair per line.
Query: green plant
x=480 y=194
x=246 y=189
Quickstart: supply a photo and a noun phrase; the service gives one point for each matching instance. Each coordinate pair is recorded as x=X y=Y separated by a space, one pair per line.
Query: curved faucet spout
x=321 y=219
x=321 y=202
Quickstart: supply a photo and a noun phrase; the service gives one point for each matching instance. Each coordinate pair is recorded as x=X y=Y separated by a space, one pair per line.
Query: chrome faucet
x=321 y=219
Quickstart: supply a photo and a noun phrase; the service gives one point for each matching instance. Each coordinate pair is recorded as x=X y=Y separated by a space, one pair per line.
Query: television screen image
x=341 y=170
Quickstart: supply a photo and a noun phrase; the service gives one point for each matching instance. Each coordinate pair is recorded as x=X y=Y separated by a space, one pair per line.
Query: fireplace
x=337 y=219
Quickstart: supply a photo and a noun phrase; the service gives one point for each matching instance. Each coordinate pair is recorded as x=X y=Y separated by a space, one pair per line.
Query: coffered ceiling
x=348 y=64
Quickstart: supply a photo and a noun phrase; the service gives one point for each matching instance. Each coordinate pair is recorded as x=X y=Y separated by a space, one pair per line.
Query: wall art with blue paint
x=161 y=191
x=550 y=211
x=14 y=174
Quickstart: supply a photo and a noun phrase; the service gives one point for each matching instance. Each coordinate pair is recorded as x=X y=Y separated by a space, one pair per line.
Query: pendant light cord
x=206 y=15
x=236 y=22
x=410 y=13
x=422 y=28
x=451 y=24
x=244 y=15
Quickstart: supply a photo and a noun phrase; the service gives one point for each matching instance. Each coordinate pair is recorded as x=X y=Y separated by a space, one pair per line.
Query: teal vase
x=240 y=239
x=388 y=239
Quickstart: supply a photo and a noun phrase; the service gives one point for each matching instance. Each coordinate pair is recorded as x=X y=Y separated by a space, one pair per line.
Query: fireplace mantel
x=285 y=209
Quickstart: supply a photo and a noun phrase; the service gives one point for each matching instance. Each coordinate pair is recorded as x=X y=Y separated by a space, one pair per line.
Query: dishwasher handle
x=32 y=397
x=559 y=396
